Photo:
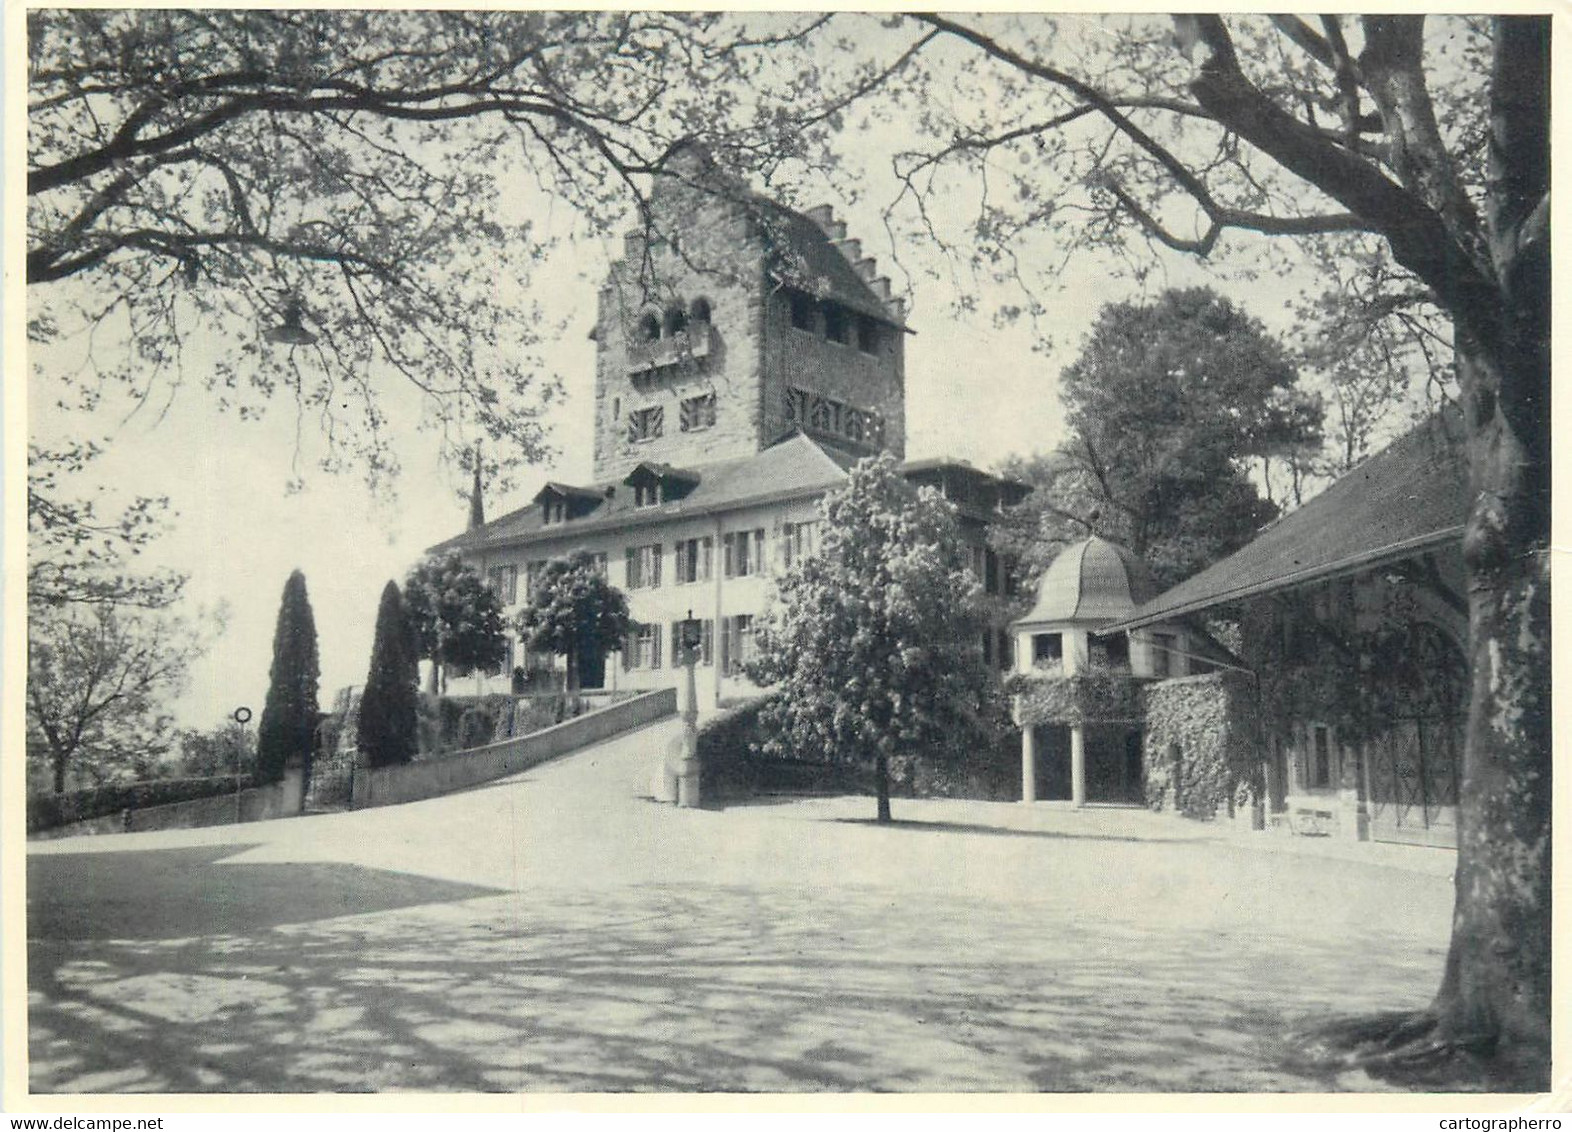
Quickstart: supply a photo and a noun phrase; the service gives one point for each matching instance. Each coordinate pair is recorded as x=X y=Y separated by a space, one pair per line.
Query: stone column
x=688 y=770
x=1028 y=763
x=1078 y=764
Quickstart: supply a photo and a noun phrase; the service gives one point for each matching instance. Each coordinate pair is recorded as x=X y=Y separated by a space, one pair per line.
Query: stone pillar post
x=688 y=771
x=1078 y=764
x=1028 y=763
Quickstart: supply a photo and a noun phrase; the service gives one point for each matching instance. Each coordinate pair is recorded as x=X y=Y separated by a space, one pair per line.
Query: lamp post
x=688 y=771
x=241 y=716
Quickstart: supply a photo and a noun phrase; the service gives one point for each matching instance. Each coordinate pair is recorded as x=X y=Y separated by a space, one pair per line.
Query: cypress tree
x=387 y=724
x=289 y=718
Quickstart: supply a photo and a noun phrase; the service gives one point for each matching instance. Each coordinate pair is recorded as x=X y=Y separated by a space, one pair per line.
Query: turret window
x=700 y=310
x=649 y=328
x=676 y=320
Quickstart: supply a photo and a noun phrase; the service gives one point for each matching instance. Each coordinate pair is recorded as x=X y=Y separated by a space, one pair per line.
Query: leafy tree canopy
x=353 y=178
x=455 y=618
x=1169 y=403
x=97 y=677
x=876 y=642
x=573 y=611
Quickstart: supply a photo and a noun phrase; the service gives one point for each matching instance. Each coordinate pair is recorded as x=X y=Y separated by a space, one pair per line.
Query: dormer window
x=556 y=511
x=646 y=494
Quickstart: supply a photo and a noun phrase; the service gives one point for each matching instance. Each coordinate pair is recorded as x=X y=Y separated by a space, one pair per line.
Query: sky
x=974 y=391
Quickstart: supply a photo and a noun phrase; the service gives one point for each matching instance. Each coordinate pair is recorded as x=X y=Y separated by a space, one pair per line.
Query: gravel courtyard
x=558 y=933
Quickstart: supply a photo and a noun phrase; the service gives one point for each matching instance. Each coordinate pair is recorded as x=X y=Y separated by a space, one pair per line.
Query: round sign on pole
x=242 y=715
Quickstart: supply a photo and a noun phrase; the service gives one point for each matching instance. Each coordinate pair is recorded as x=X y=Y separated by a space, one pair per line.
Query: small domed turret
x=1091 y=582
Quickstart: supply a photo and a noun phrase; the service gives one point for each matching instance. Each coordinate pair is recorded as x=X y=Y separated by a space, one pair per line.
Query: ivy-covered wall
x=1089 y=697
x=1211 y=722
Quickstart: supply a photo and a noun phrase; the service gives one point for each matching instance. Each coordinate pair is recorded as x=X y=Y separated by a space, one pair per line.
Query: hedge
x=46 y=811
x=731 y=765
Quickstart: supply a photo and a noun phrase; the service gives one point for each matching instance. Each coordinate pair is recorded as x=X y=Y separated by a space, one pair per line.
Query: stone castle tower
x=732 y=320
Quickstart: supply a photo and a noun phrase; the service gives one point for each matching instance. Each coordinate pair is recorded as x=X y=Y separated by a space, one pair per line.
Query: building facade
x=1339 y=710
x=746 y=357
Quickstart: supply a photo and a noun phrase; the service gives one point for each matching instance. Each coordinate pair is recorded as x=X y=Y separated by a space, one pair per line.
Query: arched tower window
x=649 y=328
x=700 y=310
x=676 y=320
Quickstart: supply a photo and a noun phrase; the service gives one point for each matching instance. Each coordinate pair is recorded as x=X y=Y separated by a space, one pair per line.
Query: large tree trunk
x=60 y=773
x=881 y=784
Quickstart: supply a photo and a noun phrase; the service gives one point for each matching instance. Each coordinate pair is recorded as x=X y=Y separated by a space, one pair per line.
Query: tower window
x=697 y=412
x=836 y=324
x=801 y=311
x=700 y=310
x=646 y=424
x=797 y=406
x=867 y=335
x=649 y=328
x=676 y=320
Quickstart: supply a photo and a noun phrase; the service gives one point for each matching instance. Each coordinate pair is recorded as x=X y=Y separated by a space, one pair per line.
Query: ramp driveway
x=559 y=932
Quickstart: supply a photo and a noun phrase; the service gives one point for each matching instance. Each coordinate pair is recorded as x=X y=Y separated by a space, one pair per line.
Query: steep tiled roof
x=1410 y=496
x=796 y=466
x=807 y=260
x=1092 y=581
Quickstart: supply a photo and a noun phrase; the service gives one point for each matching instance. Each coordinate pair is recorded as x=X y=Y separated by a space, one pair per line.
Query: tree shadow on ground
x=180 y=893
x=710 y=989
x=909 y=824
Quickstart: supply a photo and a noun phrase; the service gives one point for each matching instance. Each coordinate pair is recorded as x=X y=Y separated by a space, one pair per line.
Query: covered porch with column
x=1076 y=688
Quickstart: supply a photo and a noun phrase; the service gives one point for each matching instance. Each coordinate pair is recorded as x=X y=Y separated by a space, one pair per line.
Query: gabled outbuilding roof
x=1410 y=497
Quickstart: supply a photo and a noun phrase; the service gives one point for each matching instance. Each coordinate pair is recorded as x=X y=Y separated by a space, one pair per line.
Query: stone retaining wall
x=430 y=778
x=261 y=803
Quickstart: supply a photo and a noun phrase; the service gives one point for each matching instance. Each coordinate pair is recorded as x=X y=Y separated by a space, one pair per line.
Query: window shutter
x=655 y=557
x=632 y=559
x=704 y=561
x=684 y=571
x=654 y=646
x=676 y=637
x=726 y=556
x=627 y=651
x=725 y=632
x=758 y=550
x=707 y=643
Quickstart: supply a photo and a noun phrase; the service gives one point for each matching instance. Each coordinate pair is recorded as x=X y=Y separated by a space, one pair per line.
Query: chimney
x=822 y=214
x=881 y=287
x=836 y=231
x=868 y=268
x=851 y=249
